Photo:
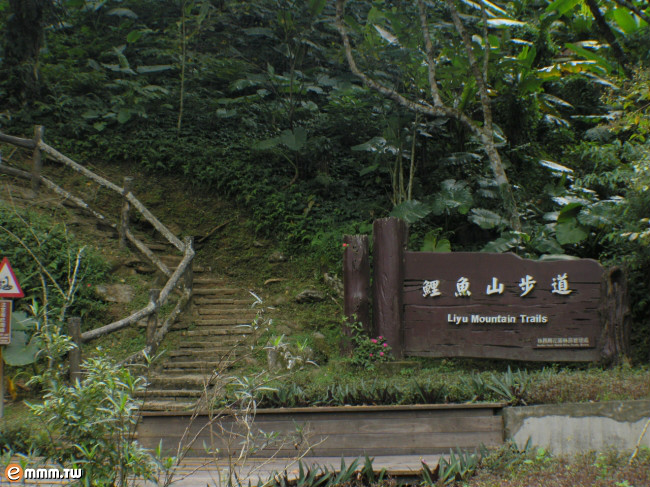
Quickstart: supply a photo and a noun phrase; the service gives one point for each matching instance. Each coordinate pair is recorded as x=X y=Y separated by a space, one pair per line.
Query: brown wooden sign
x=501 y=306
x=486 y=305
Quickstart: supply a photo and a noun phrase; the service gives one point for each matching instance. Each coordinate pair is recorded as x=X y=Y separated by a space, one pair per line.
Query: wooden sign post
x=9 y=288
x=500 y=306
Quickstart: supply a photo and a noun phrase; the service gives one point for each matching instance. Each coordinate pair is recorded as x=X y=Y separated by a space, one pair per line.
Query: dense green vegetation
x=256 y=101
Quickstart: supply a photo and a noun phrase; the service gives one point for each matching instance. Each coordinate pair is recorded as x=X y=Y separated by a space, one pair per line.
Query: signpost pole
x=2 y=385
x=9 y=288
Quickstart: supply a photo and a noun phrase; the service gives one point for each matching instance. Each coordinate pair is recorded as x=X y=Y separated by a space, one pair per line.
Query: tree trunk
x=23 y=41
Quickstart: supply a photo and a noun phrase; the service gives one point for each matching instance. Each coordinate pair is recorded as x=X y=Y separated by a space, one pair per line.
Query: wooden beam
x=118 y=325
x=10 y=139
x=152 y=321
x=37 y=160
x=155 y=222
x=74 y=355
x=126 y=207
x=390 y=239
x=55 y=154
x=147 y=252
x=356 y=283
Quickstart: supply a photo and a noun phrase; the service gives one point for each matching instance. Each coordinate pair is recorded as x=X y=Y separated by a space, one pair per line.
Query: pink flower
x=373 y=340
x=371 y=355
x=381 y=354
x=380 y=337
x=385 y=344
x=345 y=245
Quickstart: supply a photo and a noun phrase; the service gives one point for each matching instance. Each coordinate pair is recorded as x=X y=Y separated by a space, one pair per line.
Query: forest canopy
x=498 y=126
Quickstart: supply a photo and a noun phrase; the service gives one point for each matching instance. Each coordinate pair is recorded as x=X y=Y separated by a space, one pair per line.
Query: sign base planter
x=335 y=431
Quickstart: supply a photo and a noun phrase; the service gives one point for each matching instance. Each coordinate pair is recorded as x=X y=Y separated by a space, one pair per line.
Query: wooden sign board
x=5 y=322
x=481 y=305
x=466 y=304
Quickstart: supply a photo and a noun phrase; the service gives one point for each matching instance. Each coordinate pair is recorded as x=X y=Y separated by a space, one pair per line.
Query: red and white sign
x=5 y=323
x=9 y=287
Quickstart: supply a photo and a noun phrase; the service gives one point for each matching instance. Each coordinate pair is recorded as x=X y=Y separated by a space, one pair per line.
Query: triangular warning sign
x=9 y=287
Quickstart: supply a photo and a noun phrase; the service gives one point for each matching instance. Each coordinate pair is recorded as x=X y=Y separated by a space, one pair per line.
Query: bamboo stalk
x=146 y=251
x=10 y=139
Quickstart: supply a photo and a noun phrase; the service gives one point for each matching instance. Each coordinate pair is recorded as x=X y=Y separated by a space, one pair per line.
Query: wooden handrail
x=78 y=167
x=106 y=183
x=151 y=348
x=146 y=251
x=58 y=190
x=118 y=325
x=176 y=276
x=152 y=306
x=10 y=139
x=183 y=269
x=173 y=239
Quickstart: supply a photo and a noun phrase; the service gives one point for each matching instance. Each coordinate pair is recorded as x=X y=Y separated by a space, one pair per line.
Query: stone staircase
x=215 y=332
x=216 y=336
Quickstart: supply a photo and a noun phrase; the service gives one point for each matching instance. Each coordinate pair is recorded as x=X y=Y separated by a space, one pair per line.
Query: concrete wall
x=579 y=427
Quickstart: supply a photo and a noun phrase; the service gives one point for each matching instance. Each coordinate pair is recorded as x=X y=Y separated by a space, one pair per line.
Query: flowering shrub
x=368 y=351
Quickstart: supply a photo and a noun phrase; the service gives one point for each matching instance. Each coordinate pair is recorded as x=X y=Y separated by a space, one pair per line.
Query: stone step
x=218 y=331
x=205 y=300
x=227 y=307
x=159 y=246
x=163 y=405
x=174 y=259
x=170 y=393
x=217 y=291
x=226 y=321
x=197 y=365
x=208 y=280
x=168 y=381
x=216 y=324
x=222 y=340
x=218 y=310
x=219 y=352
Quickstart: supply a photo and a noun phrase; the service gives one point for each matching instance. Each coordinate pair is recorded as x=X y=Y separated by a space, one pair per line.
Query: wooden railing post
x=126 y=208
x=390 y=239
x=37 y=160
x=152 y=320
x=356 y=283
x=74 y=355
x=188 y=278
